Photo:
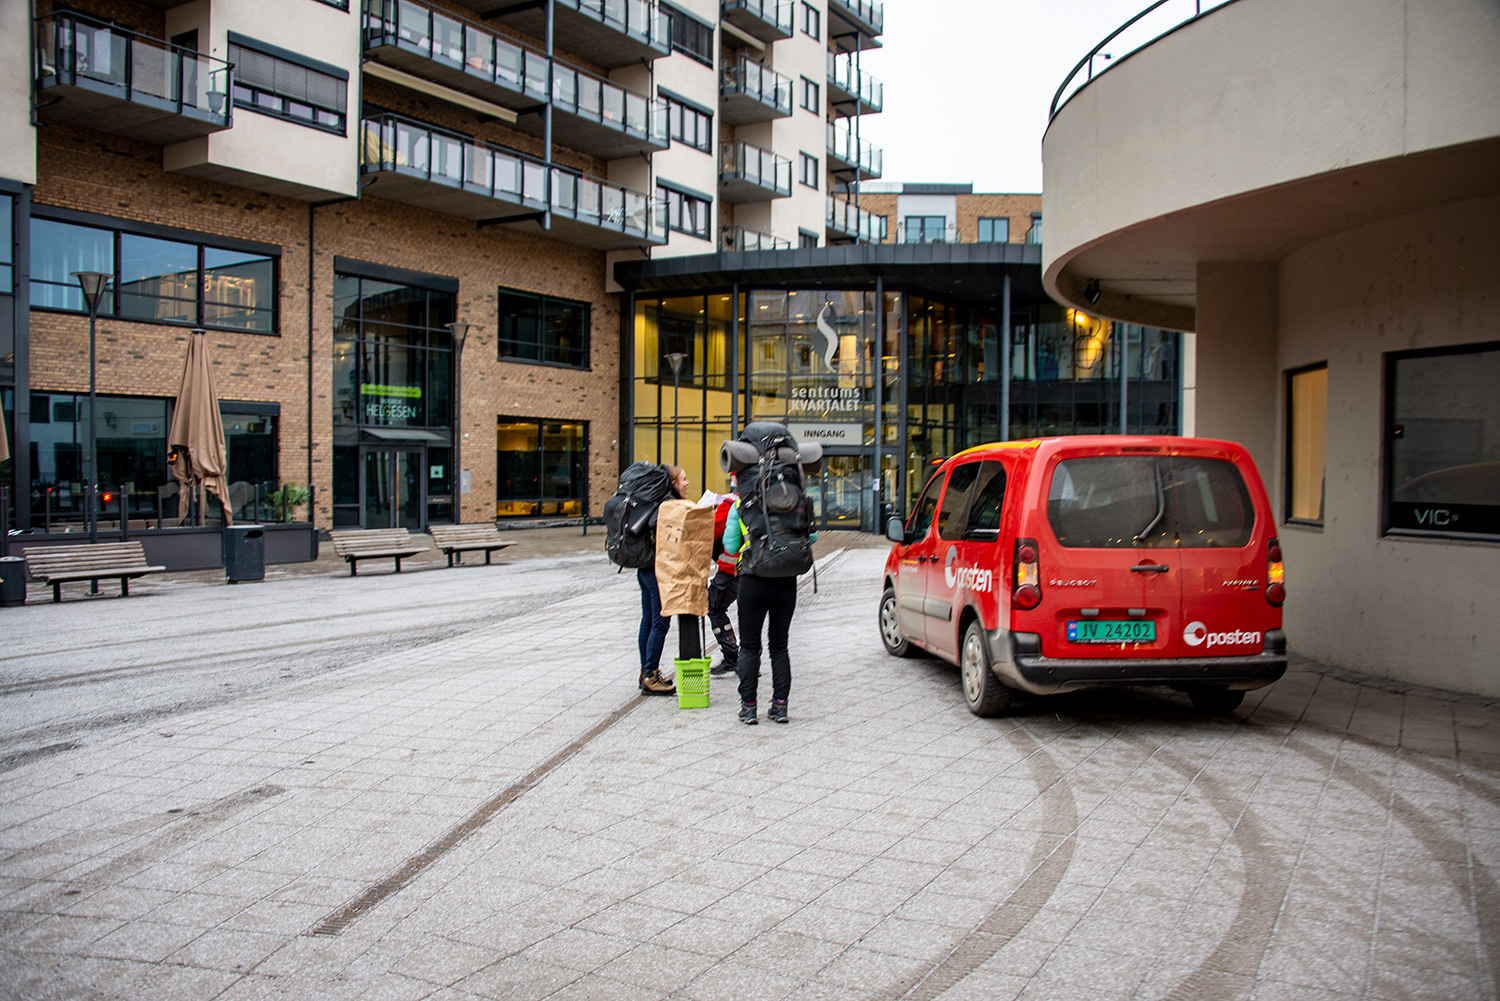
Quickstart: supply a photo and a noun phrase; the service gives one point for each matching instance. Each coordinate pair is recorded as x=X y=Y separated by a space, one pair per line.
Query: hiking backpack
x=630 y=514
x=774 y=506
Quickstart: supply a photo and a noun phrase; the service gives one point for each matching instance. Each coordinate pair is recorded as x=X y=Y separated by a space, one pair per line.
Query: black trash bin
x=12 y=581
x=244 y=553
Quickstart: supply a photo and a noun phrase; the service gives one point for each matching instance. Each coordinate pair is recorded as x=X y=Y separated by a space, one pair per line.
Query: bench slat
x=57 y=565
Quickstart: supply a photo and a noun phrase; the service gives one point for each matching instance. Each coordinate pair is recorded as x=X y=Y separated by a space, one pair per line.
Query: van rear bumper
x=1022 y=666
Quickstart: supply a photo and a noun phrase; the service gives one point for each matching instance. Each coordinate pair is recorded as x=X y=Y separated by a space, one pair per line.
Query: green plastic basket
x=692 y=683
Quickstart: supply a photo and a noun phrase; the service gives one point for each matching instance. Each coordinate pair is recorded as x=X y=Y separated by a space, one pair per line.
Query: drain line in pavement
x=413 y=867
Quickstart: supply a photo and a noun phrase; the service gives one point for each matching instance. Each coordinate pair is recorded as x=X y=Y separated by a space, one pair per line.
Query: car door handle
x=921 y=559
x=1150 y=568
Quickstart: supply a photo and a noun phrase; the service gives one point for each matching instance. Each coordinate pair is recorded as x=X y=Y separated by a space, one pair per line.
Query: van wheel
x=890 y=626
x=1216 y=700
x=984 y=693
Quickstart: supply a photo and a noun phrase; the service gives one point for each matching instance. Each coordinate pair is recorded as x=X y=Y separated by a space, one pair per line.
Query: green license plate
x=1111 y=631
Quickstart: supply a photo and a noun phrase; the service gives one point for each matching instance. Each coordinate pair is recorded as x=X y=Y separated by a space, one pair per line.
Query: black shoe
x=747 y=713
x=653 y=683
x=778 y=711
x=723 y=667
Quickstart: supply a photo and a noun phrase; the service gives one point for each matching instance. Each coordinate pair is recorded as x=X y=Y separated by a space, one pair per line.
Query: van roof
x=1105 y=443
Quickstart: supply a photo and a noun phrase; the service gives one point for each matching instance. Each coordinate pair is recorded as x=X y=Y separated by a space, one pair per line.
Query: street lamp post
x=675 y=359
x=460 y=330
x=92 y=283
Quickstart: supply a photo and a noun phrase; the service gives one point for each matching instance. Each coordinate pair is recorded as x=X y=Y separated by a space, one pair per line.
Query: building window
x=806 y=239
x=273 y=85
x=690 y=36
x=1443 y=441
x=685 y=213
x=155 y=279
x=925 y=229
x=994 y=229
x=812 y=20
x=809 y=93
x=541 y=467
x=1034 y=234
x=7 y=245
x=542 y=329
x=1307 y=443
x=809 y=168
x=690 y=126
x=392 y=354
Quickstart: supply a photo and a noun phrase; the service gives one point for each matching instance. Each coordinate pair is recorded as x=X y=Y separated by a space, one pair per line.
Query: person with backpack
x=769 y=529
x=630 y=541
x=724 y=588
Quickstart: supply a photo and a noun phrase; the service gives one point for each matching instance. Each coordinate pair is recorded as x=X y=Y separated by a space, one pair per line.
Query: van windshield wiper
x=1161 y=504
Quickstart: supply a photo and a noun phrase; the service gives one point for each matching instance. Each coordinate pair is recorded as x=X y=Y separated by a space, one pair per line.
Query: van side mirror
x=895 y=530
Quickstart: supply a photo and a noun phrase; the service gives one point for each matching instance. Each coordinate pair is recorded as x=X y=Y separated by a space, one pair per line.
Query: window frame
x=1289 y=472
x=979 y=227
x=810 y=95
x=581 y=495
x=260 y=99
x=679 y=112
x=680 y=39
x=807 y=166
x=677 y=200
x=1389 y=375
x=814 y=17
x=546 y=348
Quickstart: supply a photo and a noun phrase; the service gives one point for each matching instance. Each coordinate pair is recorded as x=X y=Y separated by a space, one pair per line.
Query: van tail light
x=1275 y=574
x=1027 y=575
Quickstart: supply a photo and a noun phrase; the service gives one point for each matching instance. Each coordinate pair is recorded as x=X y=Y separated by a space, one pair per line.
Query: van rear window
x=1149 y=502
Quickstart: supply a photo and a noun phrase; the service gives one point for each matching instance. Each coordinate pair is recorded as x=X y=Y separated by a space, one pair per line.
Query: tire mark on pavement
x=1047 y=865
x=19 y=758
x=398 y=878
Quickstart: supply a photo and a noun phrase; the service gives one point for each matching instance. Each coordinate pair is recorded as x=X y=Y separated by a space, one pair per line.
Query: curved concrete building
x=1314 y=190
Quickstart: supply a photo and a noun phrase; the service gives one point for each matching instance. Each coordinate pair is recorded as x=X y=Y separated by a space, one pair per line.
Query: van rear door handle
x=1150 y=568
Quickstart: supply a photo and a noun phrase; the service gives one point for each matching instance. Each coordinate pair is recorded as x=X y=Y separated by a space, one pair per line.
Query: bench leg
x=398 y=564
x=124 y=587
x=353 y=567
x=56 y=593
x=487 y=553
x=450 y=558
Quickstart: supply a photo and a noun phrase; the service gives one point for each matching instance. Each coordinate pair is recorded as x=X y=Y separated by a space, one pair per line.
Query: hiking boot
x=652 y=683
x=747 y=713
x=723 y=667
x=778 y=711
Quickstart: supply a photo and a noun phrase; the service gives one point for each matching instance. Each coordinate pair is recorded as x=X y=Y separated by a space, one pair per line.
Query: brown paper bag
x=684 y=556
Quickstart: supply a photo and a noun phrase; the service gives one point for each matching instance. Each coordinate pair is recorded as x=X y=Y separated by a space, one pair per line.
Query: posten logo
x=1196 y=634
x=972 y=578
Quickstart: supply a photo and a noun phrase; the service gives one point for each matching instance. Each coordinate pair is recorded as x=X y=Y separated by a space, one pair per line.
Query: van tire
x=890 y=626
x=1213 y=699
x=984 y=693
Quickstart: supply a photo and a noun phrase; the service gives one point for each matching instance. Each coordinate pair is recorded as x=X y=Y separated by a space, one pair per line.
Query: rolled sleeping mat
x=810 y=455
x=737 y=455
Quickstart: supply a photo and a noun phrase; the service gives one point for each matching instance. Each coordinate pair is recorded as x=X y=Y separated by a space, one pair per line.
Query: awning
x=402 y=434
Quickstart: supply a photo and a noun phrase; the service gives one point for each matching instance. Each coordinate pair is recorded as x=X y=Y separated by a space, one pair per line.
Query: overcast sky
x=968 y=84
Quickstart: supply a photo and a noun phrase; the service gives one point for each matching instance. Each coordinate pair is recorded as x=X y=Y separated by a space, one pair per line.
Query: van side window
x=989 y=500
x=923 y=510
x=954 y=516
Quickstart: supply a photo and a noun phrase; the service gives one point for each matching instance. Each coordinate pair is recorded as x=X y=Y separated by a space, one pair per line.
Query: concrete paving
x=487 y=809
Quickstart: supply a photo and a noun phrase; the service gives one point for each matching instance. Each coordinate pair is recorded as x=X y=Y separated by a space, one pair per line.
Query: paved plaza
x=443 y=785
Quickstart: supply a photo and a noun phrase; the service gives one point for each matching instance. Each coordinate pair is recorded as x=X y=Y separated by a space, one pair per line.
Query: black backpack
x=630 y=515
x=773 y=503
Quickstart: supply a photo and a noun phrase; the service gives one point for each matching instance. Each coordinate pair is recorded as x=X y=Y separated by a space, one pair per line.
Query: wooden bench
x=357 y=544
x=462 y=539
x=58 y=565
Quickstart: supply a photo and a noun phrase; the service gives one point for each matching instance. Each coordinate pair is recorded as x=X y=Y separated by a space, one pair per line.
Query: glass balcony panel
x=635 y=211
x=565 y=87
x=447 y=39
x=637 y=114
x=479 y=53
x=506 y=170
x=510 y=64
x=536 y=73
x=478 y=167
x=564 y=192
x=412 y=144
x=590 y=199
x=154 y=71
x=414 y=26
x=614 y=106
x=534 y=182
x=612 y=207
x=448 y=159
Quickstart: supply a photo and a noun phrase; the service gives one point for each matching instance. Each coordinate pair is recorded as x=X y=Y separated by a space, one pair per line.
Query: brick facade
x=971 y=207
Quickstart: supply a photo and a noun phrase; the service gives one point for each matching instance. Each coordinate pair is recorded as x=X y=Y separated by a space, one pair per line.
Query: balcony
x=739 y=238
x=752 y=93
x=601 y=118
x=845 y=222
x=748 y=173
x=418 y=164
x=854 y=24
x=928 y=231
x=766 y=20
x=846 y=85
x=607 y=33
x=845 y=155
x=108 y=79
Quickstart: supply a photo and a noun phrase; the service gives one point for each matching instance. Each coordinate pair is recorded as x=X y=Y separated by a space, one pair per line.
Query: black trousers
x=723 y=591
x=763 y=598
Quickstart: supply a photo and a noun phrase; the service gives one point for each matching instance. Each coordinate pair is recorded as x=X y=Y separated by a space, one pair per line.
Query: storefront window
x=392 y=355
x=541 y=467
x=1307 y=443
x=1443 y=441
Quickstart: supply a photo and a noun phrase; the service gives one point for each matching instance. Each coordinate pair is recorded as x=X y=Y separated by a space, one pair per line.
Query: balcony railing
x=767 y=20
x=106 y=78
x=844 y=153
x=744 y=239
x=844 y=220
x=867 y=14
x=927 y=233
x=748 y=173
x=638 y=29
x=753 y=93
x=453 y=173
x=608 y=104
x=461 y=54
x=845 y=83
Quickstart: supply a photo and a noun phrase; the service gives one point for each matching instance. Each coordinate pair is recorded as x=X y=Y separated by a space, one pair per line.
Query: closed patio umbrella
x=197 y=436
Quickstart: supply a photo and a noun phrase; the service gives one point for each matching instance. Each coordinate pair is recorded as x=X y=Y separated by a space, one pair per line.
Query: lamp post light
x=675 y=359
x=460 y=330
x=92 y=283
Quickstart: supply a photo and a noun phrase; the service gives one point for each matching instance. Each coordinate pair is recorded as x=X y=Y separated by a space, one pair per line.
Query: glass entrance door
x=393 y=488
x=841 y=493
